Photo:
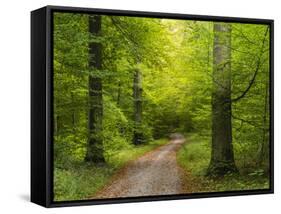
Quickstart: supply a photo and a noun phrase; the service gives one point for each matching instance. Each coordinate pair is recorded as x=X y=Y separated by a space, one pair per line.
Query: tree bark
x=95 y=112
x=137 y=94
x=222 y=157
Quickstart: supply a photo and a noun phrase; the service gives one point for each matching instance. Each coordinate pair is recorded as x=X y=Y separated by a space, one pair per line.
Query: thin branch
x=255 y=73
x=127 y=37
x=242 y=35
x=247 y=121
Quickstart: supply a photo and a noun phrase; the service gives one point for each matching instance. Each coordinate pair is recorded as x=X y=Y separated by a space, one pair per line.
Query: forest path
x=155 y=173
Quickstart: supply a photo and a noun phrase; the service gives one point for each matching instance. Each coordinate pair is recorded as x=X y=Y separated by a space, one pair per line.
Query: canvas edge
x=38 y=150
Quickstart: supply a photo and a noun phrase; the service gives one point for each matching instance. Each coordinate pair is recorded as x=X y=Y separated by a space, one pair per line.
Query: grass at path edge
x=194 y=158
x=80 y=180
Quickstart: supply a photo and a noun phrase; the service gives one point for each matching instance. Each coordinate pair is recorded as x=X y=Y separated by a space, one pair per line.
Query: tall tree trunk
x=222 y=157
x=137 y=94
x=95 y=113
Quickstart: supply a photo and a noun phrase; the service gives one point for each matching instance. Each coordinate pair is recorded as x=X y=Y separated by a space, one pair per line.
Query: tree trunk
x=118 y=94
x=222 y=157
x=263 y=150
x=137 y=94
x=95 y=112
x=73 y=116
x=56 y=125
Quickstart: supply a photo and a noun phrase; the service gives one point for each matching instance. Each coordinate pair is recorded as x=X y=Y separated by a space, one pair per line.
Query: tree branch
x=255 y=73
x=247 y=121
x=127 y=37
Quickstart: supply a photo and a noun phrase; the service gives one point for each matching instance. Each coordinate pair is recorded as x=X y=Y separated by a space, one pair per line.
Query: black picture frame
x=42 y=105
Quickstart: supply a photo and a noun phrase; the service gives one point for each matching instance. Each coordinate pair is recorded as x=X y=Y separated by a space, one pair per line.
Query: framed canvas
x=131 y=106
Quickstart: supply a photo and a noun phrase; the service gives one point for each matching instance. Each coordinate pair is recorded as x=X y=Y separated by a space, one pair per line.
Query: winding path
x=155 y=173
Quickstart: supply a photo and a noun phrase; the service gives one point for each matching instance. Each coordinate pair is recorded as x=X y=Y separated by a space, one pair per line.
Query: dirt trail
x=155 y=173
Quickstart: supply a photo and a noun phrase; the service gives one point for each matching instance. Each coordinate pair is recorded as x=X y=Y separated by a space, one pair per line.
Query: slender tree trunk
x=137 y=94
x=56 y=126
x=263 y=152
x=73 y=116
x=118 y=94
x=95 y=113
x=222 y=157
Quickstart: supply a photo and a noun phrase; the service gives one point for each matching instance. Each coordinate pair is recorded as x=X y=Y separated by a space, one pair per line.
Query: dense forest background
x=123 y=85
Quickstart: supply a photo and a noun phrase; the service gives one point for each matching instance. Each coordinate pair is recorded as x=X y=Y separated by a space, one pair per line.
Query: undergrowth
x=194 y=157
x=81 y=180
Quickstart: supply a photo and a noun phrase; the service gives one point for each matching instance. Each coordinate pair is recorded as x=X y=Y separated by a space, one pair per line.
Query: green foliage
x=195 y=155
x=80 y=181
x=77 y=181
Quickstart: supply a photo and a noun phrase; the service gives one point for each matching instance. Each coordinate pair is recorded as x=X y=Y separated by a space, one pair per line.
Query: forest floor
x=155 y=173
